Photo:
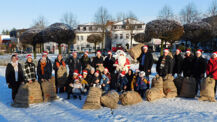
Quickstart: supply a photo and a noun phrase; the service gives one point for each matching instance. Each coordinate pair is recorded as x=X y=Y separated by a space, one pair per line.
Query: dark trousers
x=198 y=80
x=15 y=88
x=141 y=92
x=215 y=86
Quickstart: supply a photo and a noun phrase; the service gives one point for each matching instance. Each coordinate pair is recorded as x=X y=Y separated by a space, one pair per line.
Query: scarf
x=42 y=67
x=59 y=63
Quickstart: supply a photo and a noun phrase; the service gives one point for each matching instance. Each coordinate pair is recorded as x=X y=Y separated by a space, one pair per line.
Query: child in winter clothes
x=141 y=84
x=105 y=83
x=70 y=82
x=96 y=80
x=84 y=83
x=77 y=88
x=122 y=82
x=133 y=83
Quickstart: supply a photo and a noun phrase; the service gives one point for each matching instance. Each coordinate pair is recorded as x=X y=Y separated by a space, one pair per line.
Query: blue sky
x=22 y=13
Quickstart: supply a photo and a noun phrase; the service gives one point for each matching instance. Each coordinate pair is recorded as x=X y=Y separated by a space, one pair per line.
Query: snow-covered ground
x=176 y=109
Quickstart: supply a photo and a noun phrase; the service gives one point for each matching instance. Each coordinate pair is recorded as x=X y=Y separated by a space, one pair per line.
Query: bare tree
x=121 y=16
x=101 y=17
x=166 y=13
x=213 y=8
x=69 y=19
x=189 y=14
x=40 y=22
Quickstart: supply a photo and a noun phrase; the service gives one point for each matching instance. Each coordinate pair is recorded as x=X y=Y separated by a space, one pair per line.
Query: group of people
x=115 y=75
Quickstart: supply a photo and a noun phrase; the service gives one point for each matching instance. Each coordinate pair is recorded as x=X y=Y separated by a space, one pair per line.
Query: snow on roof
x=130 y=20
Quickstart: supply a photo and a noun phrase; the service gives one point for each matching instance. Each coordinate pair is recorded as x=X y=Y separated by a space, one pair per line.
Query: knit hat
x=110 y=52
x=123 y=73
x=75 y=72
x=145 y=46
x=45 y=53
x=106 y=69
x=97 y=72
x=166 y=50
x=199 y=51
x=84 y=71
x=215 y=53
x=28 y=56
x=80 y=76
x=76 y=79
x=179 y=50
x=188 y=51
x=98 y=52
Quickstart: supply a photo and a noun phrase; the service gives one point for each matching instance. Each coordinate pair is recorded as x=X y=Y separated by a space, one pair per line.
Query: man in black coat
x=44 y=69
x=14 y=75
x=109 y=61
x=165 y=64
x=73 y=64
x=145 y=61
x=178 y=62
x=98 y=60
x=187 y=64
x=85 y=60
x=198 y=67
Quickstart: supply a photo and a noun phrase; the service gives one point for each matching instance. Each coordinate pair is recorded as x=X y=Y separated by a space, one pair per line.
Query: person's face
x=59 y=57
x=105 y=71
x=145 y=50
x=177 y=52
x=97 y=81
x=75 y=55
x=29 y=60
x=85 y=55
x=198 y=54
x=188 y=53
x=14 y=59
x=84 y=75
x=166 y=53
x=96 y=74
x=98 y=55
x=214 y=56
x=129 y=72
x=74 y=76
x=92 y=71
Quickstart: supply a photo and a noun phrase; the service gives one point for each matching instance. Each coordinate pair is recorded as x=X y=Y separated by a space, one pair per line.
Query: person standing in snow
x=98 y=60
x=145 y=61
x=198 y=68
x=178 y=62
x=85 y=60
x=44 y=69
x=211 y=69
x=187 y=64
x=29 y=70
x=165 y=64
x=141 y=84
x=14 y=75
x=109 y=61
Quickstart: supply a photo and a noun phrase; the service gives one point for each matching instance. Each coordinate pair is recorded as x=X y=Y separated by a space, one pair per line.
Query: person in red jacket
x=211 y=69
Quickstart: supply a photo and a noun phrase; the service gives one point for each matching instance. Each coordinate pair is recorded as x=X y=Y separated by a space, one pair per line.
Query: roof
x=130 y=20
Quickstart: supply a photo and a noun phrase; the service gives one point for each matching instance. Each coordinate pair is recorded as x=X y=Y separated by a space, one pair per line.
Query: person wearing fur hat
x=59 y=62
x=44 y=71
x=187 y=63
x=164 y=64
x=14 y=75
x=98 y=60
x=122 y=82
x=85 y=60
x=29 y=70
x=145 y=61
x=211 y=70
x=198 y=67
x=76 y=88
x=109 y=61
x=178 y=62
x=141 y=84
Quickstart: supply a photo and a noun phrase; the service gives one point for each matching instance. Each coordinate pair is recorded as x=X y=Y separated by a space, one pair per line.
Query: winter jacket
x=211 y=69
x=85 y=61
x=129 y=78
x=187 y=66
x=77 y=88
x=105 y=81
x=148 y=62
x=10 y=75
x=89 y=78
x=133 y=83
x=199 y=67
x=122 y=81
x=73 y=64
x=178 y=62
x=141 y=84
x=29 y=72
x=164 y=68
x=47 y=70
x=96 y=61
x=108 y=63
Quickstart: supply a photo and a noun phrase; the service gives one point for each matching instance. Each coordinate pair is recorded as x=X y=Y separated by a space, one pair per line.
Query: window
x=82 y=37
x=115 y=27
x=84 y=28
x=139 y=26
x=127 y=36
x=116 y=36
x=121 y=36
x=90 y=28
x=78 y=38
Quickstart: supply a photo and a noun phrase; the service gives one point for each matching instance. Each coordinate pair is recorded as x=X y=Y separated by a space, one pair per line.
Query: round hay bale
x=93 y=99
x=154 y=94
x=49 y=90
x=130 y=98
x=110 y=99
x=135 y=51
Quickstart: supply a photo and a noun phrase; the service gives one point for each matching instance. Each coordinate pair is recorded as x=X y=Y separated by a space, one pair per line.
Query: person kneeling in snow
x=77 y=88
x=84 y=83
x=105 y=83
x=122 y=82
x=141 y=84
